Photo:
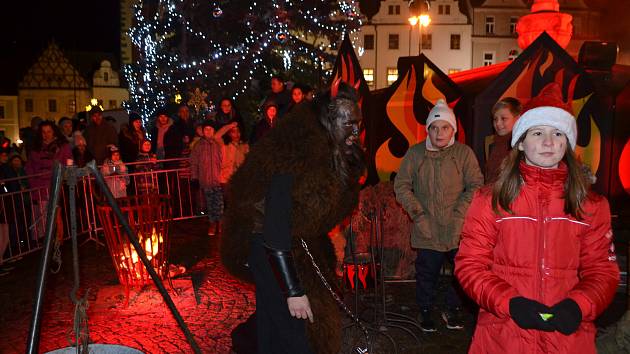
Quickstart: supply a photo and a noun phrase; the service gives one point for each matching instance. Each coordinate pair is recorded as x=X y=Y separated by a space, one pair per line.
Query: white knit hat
x=441 y=111
x=546 y=115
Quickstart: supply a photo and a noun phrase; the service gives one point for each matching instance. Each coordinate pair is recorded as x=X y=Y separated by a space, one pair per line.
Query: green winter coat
x=435 y=188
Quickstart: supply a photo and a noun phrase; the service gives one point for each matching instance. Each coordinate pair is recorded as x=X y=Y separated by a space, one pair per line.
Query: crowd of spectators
x=204 y=152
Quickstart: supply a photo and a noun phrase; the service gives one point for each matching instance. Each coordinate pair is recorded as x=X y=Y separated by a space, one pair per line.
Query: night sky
x=93 y=25
x=80 y=24
x=76 y=25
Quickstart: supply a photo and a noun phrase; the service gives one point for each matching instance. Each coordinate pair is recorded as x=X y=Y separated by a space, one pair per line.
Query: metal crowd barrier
x=22 y=213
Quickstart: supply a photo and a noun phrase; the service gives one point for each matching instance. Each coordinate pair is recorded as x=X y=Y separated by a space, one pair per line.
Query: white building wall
x=9 y=118
x=381 y=57
x=110 y=97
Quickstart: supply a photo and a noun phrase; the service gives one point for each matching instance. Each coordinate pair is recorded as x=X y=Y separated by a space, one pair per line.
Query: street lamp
x=419 y=16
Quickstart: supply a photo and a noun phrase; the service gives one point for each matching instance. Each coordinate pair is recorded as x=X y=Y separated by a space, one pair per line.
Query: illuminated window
x=488 y=58
x=513 y=21
x=368 y=74
x=490 y=24
x=453 y=71
x=392 y=75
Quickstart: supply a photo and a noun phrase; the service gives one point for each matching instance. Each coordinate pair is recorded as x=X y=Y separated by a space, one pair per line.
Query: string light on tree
x=221 y=46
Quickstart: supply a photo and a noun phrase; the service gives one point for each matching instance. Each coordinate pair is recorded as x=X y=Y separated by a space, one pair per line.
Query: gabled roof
x=53 y=70
x=88 y=62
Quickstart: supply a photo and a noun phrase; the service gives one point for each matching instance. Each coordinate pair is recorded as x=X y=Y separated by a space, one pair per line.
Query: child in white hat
x=435 y=184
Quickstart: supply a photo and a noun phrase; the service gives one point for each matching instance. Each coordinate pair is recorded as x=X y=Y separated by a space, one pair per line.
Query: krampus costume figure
x=296 y=183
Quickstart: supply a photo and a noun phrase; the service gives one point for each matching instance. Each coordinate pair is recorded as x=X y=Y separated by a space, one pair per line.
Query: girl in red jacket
x=536 y=251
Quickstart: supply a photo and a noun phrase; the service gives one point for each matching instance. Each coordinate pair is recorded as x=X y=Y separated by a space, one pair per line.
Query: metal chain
x=354 y=317
x=56 y=254
x=80 y=327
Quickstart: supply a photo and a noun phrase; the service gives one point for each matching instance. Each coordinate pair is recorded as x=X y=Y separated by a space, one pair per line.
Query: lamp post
x=419 y=10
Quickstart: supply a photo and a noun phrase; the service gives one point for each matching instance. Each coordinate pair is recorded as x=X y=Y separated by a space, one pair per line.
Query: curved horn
x=334 y=88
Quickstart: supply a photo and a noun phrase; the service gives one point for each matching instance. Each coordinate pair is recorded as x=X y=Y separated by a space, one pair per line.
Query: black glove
x=526 y=314
x=567 y=316
x=282 y=264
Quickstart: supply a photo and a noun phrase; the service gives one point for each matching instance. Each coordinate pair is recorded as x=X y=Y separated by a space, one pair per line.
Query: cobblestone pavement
x=211 y=308
x=146 y=323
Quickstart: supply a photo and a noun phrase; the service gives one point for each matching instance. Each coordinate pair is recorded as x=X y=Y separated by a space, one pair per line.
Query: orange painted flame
x=522 y=86
x=400 y=112
x=591 y=153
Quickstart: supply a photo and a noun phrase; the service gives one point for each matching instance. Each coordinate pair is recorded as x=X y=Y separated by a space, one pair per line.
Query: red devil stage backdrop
x=394 y=117
x=542 y=63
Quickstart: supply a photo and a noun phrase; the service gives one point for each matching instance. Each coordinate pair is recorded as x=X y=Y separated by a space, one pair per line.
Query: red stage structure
x=545 y=17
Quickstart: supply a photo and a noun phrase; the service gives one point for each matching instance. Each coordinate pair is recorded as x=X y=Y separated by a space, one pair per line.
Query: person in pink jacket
x=50 y=146
x=205 y=171
x=536 y=249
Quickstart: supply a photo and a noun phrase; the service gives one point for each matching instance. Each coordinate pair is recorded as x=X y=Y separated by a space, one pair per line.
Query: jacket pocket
x=422 y=226
x=496 y=335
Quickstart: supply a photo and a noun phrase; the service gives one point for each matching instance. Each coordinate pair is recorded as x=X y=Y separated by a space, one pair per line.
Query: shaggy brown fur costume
x=299 y=145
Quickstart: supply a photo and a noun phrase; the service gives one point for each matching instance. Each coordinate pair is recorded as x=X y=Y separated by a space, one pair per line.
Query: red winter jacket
x=541 y=253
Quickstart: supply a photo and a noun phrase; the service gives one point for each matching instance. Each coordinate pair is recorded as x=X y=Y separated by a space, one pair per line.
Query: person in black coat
x=184 y=122
x=279 y=95
x=166 y=138
x=268 y=121
x=130 y=137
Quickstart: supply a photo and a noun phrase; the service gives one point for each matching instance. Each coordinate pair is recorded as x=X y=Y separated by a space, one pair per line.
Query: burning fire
x=151 y=248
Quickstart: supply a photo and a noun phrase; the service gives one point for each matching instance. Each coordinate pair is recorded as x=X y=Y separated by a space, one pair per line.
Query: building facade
x=446 y=41
x=9 y=122
x=494 y=29
x=106 y=87
x=54 y=87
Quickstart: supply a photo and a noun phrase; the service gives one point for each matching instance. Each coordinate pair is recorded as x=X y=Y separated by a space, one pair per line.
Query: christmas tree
x=222 y=47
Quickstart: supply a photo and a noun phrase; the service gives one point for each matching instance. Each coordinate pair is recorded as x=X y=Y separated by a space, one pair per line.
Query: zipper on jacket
x=540 y=254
